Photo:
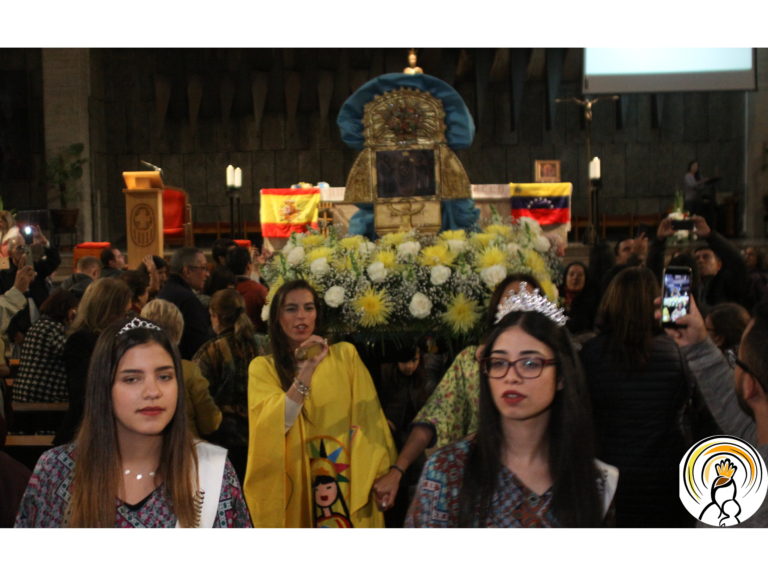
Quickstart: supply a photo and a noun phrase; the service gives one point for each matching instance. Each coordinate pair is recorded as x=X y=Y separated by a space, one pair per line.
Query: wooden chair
x=177 y=217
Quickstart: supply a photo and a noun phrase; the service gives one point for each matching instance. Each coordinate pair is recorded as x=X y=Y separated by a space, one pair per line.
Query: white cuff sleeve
x=292 y=410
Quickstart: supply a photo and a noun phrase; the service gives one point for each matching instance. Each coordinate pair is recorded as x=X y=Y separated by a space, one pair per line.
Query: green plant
x=63 y=171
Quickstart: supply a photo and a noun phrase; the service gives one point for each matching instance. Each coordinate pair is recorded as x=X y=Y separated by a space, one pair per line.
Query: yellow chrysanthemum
x=490 y=257
x=549 y=289
x=454 y=235
x=322 y=252
x=343 y=264
x=482 y=239
x=439 y=254
x=273 y=289
x=462 y=314
x=533 y=261
x=387 y=257
x=351 y=242
x=312 y=241
x=373 y=307
x=394 y=239
x=499 y=230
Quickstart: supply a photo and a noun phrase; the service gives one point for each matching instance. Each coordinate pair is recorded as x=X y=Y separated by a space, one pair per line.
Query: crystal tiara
x=136 y=323
x=524 y=301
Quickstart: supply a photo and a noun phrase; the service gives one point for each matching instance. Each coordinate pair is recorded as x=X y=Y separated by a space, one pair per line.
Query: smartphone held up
x=675 y=295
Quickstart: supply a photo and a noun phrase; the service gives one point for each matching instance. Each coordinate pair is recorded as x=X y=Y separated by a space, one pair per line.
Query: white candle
x=238 y=178
x=230 y=176
x=594 y=169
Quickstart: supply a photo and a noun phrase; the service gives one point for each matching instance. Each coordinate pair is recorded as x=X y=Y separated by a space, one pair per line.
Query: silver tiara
x=524 y=301
x=138 y=323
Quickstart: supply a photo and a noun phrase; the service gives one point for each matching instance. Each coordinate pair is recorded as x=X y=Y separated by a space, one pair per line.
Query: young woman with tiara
x=451 y=413
x=531 y=462
x=318 y=435
x=134 y=462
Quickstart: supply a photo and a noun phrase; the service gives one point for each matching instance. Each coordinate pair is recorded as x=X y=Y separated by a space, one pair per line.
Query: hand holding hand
x=385 y=489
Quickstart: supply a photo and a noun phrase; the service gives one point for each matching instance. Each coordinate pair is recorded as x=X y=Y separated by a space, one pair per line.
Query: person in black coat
x=640 y=387
x=105 y=301
x=188 y=270
x=581 y=297
x=38 y=288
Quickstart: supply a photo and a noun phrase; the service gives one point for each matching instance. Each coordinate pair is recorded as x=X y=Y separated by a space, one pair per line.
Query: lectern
x=143 y=215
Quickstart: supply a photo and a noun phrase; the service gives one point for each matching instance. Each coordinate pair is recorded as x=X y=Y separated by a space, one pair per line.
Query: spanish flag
x=545 y=203
x=288 y=210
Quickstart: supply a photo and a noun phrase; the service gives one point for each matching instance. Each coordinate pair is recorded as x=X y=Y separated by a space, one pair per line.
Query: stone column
x=66 y=90
x=757 y=137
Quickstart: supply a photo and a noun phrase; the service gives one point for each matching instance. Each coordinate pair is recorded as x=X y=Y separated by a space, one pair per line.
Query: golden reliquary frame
x=406 y=126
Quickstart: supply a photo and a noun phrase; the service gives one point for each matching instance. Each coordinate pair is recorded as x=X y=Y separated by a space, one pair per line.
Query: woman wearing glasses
x=531 y=462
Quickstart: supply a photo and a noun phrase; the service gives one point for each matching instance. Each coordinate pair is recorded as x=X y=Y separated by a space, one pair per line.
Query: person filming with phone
x=20 y=252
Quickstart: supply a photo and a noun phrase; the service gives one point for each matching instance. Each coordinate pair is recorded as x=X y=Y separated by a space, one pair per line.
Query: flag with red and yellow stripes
x=545 y=203
x=288 y=210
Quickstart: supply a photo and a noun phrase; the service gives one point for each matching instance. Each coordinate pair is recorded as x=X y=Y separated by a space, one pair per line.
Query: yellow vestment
x=341 y=432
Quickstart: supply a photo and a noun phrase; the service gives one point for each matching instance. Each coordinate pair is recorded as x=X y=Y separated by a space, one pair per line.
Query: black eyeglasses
x=732 y=354
x=527 y=368
x=198 y=267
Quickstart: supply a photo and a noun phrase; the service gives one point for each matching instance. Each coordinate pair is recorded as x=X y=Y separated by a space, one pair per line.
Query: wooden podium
x=143 y=215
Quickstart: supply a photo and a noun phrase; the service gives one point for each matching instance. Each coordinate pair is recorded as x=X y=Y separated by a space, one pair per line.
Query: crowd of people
x=186 y=408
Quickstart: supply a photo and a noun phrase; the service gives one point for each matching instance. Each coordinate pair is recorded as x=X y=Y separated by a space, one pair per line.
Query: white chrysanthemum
x=533 y=224
x=409 y=248
x=512 y=248
x=265 y=313
x=493 y=275
x=420 y=305
x=334 y=297
x=440 y=274
x=320 y=267
x=377 y=272
x=295 y=256
x=366 y=248
x=541 y=244
x=457 y=246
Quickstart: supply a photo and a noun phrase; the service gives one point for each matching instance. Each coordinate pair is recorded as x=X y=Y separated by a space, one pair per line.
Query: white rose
x=420 y=305
x=440 y=274
x=265 y=313
x=409 y=248
x=541 y=244
x=287 y=248
x=320 y=267
x=533 y=224
x=512 y=248
x=335 y=296
x=377 y=272
x=494 y=275
x=295 y=256
x=457 y=246
x=366 y=248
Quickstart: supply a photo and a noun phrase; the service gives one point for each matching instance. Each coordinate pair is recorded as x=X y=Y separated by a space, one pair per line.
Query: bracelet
x=396 y=467
x=303 y=390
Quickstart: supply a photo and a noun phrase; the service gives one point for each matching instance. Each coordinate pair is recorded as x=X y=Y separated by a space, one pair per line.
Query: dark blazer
x=730 y=283
x=197 y=322
x=78 y=350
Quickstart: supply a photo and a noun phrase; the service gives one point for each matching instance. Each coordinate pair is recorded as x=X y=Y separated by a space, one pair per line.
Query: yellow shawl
x=341 y=433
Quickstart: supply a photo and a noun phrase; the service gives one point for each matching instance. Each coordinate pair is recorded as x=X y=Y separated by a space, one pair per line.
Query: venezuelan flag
x=288 y=210
x=545 y=203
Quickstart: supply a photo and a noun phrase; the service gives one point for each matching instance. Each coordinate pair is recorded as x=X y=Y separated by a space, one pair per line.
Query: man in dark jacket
x=87 y=270
x=254 y=294
x=112 y=262
x=38 y=289
x=188 y=270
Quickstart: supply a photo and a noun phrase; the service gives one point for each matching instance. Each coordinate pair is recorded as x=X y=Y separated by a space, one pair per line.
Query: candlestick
x=230 y=176
x=594 y=169
x=238 y=178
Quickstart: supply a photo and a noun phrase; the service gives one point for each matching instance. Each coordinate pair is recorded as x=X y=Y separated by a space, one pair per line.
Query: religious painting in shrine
x=405 y=173
x=15 y=155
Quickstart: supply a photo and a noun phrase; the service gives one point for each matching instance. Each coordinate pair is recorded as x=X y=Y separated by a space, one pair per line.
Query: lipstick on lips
x=512 y=398
x=152 y=411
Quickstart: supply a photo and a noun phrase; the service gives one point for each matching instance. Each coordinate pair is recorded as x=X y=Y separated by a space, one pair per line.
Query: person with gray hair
x=187 y=272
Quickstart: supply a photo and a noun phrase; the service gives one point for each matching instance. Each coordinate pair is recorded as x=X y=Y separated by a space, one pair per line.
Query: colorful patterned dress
x=453 y=408
x=45 y=502
x=514 y=505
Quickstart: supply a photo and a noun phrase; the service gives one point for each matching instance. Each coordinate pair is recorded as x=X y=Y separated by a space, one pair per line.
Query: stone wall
x=642 y=164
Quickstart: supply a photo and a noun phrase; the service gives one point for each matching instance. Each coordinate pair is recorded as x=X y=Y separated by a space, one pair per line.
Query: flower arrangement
x=413 y=282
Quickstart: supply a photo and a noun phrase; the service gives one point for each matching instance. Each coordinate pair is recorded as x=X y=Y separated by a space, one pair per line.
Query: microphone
x=155 y=168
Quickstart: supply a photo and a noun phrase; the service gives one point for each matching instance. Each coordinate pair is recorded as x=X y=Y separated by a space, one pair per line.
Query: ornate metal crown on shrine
x=406 y=167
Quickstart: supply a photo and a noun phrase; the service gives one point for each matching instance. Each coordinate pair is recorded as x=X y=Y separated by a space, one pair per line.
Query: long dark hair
x=575 y=498
x=281 y=348
x=627 y=312
x=97 y=452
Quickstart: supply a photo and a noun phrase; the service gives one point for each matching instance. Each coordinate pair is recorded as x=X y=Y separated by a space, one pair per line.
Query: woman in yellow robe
x=318 y=436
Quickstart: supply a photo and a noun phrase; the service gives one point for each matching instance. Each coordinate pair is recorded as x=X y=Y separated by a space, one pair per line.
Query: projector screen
x=628 y=70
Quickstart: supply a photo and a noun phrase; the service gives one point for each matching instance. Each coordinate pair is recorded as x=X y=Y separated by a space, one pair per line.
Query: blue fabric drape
x=460 y=127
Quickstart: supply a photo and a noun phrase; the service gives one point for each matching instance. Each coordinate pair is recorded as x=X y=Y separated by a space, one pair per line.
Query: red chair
x=88 y=249
x=177 y=217
x=243 y=243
